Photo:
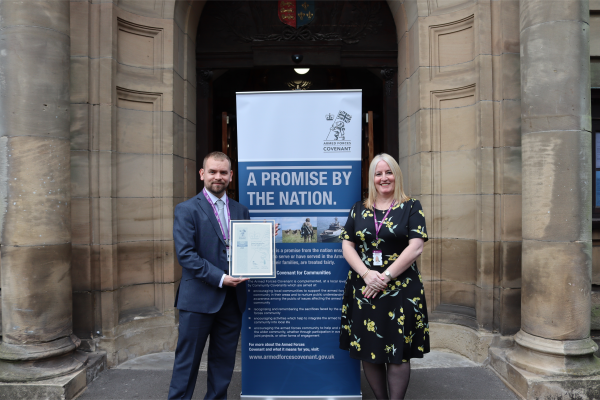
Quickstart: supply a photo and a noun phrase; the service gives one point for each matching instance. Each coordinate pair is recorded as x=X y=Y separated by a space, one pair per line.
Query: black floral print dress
x=392 y=327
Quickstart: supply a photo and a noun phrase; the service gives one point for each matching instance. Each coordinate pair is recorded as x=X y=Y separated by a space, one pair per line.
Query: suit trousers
x=224 y=328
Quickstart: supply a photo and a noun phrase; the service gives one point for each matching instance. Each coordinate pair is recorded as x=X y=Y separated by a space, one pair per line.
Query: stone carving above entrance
x=348 y=22
x=242 y=34
x=299 y=84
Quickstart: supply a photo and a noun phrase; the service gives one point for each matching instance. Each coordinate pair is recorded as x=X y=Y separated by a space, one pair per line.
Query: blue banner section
x=291 y=326
x=290 y=333
x=305 y=177
x=597 y=188
x=289 y=188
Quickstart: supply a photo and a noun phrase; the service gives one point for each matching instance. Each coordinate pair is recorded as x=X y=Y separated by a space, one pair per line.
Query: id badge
x=227 y=254
x=377 y=257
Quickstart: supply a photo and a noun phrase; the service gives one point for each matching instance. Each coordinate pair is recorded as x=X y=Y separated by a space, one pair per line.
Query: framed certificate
x=252 y=249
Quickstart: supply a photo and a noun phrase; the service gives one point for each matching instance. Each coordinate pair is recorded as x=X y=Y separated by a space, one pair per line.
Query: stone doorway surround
x=100 y=271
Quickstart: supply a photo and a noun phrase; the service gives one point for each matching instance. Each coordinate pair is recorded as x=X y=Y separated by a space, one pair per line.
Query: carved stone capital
x=205 y=76
x=388 y=77
x=388 y=73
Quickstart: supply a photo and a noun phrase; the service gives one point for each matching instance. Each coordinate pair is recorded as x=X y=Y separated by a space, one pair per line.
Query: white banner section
x=299 y=125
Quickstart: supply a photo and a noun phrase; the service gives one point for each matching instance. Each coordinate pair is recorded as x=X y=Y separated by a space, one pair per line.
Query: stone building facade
x=105 y=108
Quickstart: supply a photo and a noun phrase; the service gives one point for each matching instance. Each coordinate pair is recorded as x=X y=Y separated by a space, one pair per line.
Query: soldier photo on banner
x=299 y=229
x=307 y=232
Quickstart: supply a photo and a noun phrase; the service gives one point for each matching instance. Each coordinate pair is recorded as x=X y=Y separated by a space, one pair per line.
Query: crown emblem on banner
x=329 y=117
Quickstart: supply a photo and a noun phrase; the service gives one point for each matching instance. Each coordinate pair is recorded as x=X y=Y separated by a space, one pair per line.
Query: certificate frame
x=252 y=249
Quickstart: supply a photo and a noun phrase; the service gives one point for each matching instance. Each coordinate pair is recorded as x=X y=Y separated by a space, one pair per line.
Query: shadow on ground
x=431 y=383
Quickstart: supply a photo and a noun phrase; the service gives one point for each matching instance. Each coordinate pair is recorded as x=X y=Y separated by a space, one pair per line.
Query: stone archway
x=131 y=150
x=245 y=47
x=133 y=122
x=448 y=135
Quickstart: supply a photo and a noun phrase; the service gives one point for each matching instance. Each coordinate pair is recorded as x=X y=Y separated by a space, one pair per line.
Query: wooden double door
x=245 y=46
x=220 y=133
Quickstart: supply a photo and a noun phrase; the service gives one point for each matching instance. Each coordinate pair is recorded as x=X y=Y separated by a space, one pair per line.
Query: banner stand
x=299 y=163
x=355 y=397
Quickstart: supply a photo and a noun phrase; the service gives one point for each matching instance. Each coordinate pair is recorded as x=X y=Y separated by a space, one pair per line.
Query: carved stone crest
x=330 y=21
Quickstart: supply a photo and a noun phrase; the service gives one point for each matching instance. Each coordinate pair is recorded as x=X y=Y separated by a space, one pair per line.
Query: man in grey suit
x=210 y=302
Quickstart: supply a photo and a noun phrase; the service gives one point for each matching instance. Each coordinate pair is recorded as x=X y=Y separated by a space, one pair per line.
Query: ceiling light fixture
x=301 y=71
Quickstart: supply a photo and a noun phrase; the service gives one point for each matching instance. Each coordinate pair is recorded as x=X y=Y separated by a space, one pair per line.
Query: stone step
x=60 y=388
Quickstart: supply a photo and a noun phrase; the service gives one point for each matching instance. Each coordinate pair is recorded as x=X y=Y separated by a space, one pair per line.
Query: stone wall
x=133 y=159
x=459 y=107
x=133 y=92
x=133 y=132
x=595 y=84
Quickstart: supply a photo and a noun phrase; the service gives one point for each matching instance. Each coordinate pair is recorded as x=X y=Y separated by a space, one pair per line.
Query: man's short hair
x=217 y=155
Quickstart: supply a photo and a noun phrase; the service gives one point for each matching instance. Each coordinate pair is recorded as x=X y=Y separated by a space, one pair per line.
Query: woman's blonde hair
x=399 y=194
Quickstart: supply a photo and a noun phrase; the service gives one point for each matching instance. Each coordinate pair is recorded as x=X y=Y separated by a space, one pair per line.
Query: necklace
x=384 y=205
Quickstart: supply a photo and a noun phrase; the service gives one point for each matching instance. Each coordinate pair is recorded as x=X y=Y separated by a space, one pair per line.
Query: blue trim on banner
x=597 y=188
x=292 y=187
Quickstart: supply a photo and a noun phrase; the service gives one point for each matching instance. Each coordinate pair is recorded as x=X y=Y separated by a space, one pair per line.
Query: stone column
x=35 y=221
x=554 y=353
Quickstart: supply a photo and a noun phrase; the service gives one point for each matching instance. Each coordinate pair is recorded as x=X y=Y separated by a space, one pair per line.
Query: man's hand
x=233 y=282
x=276 y=228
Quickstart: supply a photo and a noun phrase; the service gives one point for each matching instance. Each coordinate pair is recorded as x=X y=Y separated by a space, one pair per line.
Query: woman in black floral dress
x=384 y=315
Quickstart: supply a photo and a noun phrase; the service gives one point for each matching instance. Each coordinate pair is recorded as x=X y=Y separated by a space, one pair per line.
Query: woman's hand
x=385 y=279
x=407 y=257
x=374 y=284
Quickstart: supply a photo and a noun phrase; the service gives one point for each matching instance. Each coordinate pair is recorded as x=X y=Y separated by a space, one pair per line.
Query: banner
x=299 y=164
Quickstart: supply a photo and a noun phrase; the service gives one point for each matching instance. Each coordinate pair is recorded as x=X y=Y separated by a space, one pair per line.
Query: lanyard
x=378 y=225
x=214 y=207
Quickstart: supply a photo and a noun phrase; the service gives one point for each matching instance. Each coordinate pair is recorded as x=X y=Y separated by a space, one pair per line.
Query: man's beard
x=211 y=188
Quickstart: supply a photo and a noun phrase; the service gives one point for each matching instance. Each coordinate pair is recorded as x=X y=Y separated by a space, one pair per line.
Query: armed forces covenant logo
x=336 y=141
